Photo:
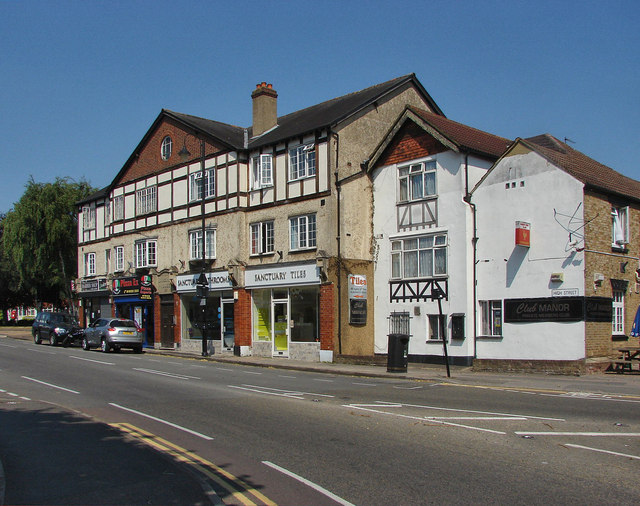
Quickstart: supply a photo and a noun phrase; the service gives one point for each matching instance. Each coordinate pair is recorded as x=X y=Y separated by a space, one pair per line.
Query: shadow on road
x=51 y=456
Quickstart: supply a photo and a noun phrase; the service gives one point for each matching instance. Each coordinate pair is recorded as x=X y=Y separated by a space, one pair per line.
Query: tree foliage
x=40 y=239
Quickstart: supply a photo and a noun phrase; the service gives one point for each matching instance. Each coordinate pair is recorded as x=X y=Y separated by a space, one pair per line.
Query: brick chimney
x=265 y=108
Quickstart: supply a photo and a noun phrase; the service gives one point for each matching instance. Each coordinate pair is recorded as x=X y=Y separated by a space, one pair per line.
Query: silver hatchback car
x=113 y=333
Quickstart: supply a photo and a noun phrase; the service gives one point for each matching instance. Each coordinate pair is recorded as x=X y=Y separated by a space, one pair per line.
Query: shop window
x=261 y=315
x=304 y=314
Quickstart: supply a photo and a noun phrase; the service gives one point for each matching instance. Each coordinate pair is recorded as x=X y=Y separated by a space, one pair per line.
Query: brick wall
x=242 y=318
x=149 y=160
x=601 y=258
x=410 y=143
x=326 y=316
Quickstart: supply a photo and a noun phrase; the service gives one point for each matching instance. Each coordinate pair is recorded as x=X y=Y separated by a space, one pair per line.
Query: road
x=271 y=436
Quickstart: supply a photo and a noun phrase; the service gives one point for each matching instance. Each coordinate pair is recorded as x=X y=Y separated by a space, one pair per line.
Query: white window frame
x=302 y=232
x=261 y=171
x=430 y=252
x=490 y=312
x=195 y=243
x=89 y=264
x=89 y=217
x=417 y=181
x=302 y=161
x=119 y=258
x=146 y=200
x=118 y=208
x=262 y=237
x=617 y=323
x=166 y=148
x=195 y=185
x=619 y=227
x=146 y=253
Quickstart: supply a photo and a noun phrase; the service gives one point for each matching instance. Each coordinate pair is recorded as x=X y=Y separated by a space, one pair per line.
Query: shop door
x=166 y=325
x=228 y=331
x=280 y=329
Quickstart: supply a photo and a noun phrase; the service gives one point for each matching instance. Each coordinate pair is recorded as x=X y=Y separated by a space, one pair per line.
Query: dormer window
x=165 y=150
x=417 y=181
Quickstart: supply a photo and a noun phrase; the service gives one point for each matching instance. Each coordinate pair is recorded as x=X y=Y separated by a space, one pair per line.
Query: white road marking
x=421 y=418
x=587 y=434
x=308 y=483
x=50 y=385
x=604 y=451
x=253 y=372
x=597 y=397
x=323 y=380
x=290 y=377
x=289 y=391
x=168 y=374
x=91 y=360
x=160 y=420
x=484 y=412
x=365 y=384
x=408 y=388
x=7 y=346
x=260 y=391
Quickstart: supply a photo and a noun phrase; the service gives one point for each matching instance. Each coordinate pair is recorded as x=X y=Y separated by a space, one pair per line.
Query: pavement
x=625 y=385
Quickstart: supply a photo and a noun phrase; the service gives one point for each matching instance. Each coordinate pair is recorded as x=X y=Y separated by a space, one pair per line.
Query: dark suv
x=56 y=327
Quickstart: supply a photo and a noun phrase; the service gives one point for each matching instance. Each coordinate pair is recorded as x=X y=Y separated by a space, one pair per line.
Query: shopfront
x=285 y=310
x=217 y=314
x=133 y=299
x=94 y=298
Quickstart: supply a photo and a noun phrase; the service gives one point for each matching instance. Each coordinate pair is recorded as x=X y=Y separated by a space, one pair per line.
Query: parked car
x=57 y=328
x=113 y=333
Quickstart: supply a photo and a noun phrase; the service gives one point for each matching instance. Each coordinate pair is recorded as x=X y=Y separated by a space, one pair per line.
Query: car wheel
x=53 y=339
x=85 y=344
x=36 y=338
x=104 y=345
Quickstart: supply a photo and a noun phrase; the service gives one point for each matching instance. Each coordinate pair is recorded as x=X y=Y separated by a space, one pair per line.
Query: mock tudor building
x=276 y=217
x=556 y=265
x=422 y=174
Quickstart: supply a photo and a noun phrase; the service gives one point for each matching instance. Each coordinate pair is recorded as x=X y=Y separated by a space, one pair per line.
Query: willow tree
x=40 y=239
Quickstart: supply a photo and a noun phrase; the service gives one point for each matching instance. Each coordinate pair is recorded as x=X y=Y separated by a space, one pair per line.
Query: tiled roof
x=592 y=173
x=465 y=137
x=305 y=120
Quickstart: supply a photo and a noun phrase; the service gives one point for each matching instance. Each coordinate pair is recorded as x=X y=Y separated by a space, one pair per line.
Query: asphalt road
x=290 y=437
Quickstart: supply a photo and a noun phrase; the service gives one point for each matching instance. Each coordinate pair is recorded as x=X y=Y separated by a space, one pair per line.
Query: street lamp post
x=202 y=286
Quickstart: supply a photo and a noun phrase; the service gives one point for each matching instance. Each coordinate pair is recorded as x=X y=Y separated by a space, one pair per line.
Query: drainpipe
x=474 y=242
x=339 y=252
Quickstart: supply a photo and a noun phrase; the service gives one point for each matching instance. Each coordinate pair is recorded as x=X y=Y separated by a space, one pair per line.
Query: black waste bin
x=398 y=353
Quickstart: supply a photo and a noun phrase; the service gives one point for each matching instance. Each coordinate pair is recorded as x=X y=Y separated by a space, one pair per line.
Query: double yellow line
x=242 y=492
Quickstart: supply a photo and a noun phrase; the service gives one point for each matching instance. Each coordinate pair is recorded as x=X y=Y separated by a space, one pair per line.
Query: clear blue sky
x=82 y=81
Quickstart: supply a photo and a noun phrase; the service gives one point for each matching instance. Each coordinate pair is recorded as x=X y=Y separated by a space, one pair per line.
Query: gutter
x=474 y=242
x=338 y=184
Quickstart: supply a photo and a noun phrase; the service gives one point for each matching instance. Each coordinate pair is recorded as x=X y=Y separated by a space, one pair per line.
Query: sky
x=82 y=81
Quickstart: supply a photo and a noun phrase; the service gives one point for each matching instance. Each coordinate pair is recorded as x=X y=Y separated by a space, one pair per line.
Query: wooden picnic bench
x=630 y=356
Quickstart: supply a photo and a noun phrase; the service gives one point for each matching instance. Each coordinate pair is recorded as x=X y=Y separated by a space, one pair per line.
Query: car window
x=123 y=323
x=56 y=318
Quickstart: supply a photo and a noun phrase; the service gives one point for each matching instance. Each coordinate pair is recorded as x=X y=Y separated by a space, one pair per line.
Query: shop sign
x=598 y=309
x=357 y=286
x=93 y=285
x=137 y=286
x=217 y=281
x=548 y=309
x=357 y=299
x=558 y=309
x=282 y=275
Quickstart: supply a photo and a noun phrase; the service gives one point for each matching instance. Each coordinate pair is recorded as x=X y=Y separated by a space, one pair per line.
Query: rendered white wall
x=505 y=270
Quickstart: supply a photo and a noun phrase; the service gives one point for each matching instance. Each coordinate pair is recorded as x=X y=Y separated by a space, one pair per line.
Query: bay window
x=419 y=257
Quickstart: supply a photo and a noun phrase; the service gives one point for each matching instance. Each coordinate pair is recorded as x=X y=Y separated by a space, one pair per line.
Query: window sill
x=307 y=250
x=489 y=337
